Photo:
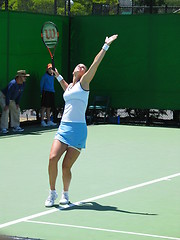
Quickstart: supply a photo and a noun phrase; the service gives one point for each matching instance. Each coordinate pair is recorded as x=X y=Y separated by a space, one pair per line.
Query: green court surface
x=126 y=185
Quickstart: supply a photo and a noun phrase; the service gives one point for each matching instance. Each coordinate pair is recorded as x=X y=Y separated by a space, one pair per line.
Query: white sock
x=65 y=192
x=53 y=191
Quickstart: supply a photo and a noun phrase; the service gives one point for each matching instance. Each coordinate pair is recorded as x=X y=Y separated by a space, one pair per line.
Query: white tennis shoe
x=50 y=123
x=18 y=129
x=43 y=124
x=51 y=198
x=64 y=198
x=4 y=130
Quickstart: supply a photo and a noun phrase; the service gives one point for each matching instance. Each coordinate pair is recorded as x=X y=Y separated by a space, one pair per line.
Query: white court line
x=88 y=200
x=105 y=230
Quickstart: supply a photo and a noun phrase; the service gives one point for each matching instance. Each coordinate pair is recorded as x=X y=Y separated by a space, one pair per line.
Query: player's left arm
x=88 y=76
x=20 y=95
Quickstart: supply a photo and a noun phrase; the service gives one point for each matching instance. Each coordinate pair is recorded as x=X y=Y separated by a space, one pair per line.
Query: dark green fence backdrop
x=21 y=47
x=140 y=70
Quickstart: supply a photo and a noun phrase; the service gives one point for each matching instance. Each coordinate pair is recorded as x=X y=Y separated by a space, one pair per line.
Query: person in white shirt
x=72 y=133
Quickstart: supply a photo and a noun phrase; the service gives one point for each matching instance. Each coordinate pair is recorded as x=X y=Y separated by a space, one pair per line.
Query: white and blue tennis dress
x=73 y=129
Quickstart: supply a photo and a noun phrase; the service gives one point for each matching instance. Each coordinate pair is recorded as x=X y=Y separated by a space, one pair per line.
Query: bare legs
x=47 y=110
x=70 y=157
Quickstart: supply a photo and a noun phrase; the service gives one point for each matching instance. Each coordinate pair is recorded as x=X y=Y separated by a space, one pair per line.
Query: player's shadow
x=98 y=207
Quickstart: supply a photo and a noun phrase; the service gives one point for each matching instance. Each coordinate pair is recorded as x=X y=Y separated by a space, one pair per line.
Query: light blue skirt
x=72 y=133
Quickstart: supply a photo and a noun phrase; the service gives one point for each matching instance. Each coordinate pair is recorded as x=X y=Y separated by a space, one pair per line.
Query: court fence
x=147 y=117
x=107 y=9
x=70 y=8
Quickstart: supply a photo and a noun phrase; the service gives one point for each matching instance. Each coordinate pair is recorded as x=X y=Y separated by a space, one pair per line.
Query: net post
x=55 y=7
x=69 y=7
x=6 y=4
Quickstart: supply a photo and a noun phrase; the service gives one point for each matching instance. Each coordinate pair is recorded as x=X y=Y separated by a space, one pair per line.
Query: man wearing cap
x=47 y=100
x=9 y=102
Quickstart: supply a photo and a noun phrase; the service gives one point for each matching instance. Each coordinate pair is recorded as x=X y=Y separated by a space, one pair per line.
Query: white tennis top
x=76 y=101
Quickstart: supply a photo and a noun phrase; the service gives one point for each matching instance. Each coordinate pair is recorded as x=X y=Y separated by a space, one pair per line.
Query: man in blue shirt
x=9 y=102
x=47 y=100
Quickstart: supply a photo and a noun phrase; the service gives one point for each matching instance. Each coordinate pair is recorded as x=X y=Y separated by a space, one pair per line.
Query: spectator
x=47 y=100
x=9 y=102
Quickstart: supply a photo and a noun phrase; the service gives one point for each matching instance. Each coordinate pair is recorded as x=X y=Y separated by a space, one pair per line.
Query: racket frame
x=54 y=47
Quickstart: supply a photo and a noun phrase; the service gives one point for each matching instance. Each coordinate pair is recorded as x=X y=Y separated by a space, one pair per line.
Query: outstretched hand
x=55 y=72
x=109 y=40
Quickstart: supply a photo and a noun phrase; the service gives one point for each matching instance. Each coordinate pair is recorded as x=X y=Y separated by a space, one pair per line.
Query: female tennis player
x=72 y=133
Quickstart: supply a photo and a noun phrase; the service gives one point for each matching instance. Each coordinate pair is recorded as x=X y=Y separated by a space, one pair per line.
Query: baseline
x=104 y=230
x=88 y=200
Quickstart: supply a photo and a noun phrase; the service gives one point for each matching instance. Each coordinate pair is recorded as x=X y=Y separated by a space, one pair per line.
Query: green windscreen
x=141 y=68
x=3 y=47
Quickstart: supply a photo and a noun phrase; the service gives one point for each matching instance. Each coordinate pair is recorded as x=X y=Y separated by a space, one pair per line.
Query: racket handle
x=53 y=65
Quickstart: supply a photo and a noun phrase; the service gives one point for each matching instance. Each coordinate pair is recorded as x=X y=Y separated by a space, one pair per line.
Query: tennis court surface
x=126 y=185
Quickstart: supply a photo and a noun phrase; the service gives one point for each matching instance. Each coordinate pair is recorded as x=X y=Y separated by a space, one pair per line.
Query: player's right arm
x=61 y=80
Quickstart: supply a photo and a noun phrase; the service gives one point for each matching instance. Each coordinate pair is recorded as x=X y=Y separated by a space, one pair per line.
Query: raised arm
x=60 y=79
x=88 y=76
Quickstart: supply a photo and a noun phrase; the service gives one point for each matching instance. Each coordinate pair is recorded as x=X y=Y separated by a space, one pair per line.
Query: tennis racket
x=50 y=37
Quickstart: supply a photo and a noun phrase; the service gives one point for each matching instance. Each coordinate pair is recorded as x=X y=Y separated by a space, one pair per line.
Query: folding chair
x=99 y=108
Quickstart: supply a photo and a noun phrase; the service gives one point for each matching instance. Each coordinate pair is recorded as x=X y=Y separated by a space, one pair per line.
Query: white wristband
x=59 y=78
x=105 y=47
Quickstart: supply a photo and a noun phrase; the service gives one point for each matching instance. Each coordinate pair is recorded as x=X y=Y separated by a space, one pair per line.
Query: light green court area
x=126 y=185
